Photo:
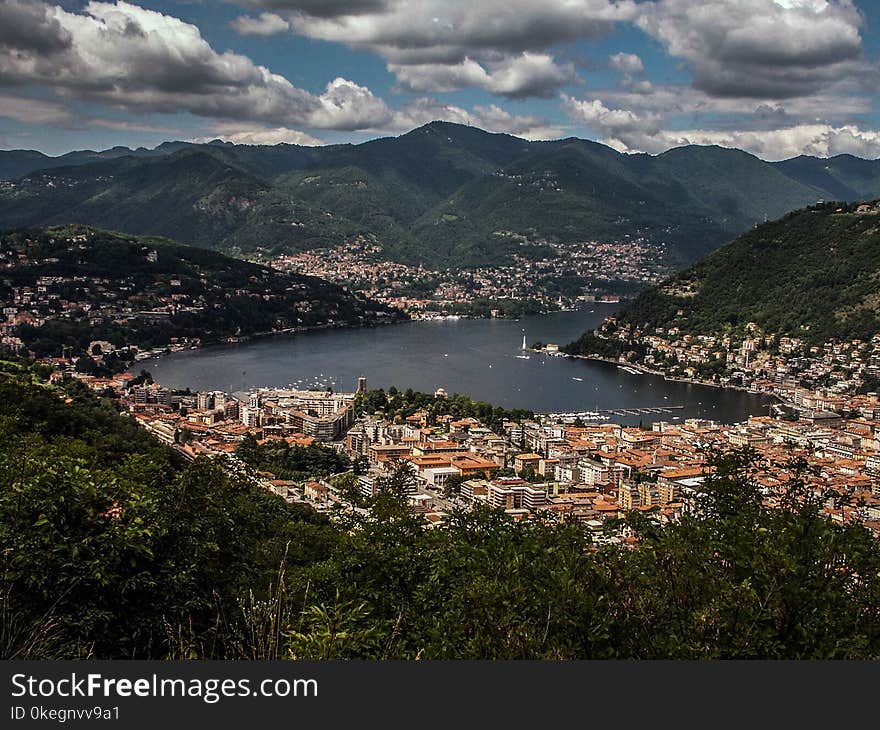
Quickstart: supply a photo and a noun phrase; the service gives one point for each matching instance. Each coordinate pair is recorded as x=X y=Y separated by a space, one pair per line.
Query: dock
x=604 y=413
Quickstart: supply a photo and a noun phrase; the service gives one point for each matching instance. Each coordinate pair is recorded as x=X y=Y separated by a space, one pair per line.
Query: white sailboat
x=524 y=348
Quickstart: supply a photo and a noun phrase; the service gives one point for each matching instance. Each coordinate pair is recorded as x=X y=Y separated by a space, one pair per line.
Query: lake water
x=477 y=357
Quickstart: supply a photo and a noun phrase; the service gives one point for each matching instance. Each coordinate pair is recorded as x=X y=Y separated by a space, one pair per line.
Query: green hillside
x=442 y=194
x=814 y=274
x=98 y=285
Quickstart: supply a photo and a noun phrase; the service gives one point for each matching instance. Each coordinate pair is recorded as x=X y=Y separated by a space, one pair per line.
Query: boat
x=524 y=348
x=580 y=380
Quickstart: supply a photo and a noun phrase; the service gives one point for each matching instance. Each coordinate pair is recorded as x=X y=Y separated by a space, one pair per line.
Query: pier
x=604 y=413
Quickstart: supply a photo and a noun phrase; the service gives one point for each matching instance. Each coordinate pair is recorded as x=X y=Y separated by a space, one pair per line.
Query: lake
x=477 y=357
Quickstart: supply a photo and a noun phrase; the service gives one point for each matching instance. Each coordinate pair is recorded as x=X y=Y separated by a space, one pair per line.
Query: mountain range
x=443 y=194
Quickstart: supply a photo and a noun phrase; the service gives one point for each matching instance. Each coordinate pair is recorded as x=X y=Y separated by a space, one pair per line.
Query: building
x=517 y=496
x=521 y=462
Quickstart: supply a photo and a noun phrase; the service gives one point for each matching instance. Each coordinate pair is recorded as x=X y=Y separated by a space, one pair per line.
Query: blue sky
x=775 y=77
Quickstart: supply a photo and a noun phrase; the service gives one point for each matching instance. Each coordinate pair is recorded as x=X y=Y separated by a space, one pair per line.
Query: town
x=544 y=277
x=545 y=467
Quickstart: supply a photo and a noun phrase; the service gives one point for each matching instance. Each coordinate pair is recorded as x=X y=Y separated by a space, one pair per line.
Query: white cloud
x=142 y=60
x=820 y=140
x=607 y=122
x=257 y=135
x=319 y=8
x=530 y=74
x=442 y=45
x=346 y=105
x=265 y=24
x=34 y=111
x=126 y=125
x=429 y=30
x=835 y=104
x=525 y=75
x=628 y=63
x=438 y=77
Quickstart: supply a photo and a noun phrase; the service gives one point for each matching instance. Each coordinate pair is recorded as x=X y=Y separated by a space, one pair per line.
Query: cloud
x=346 y=105
x=766 y=48
x=530 y=74
x=438 y=77
x=820 y=140
x=526 y=75
x=611 y=123
x=319 y=8
x=430 y=29
x=265 y=24
x=130 y=126
x=258 y=135
x=628 y=63
x=144 y=61
x=839 y=105
x=34 y=111
x=442 y=45
x=491 y=118
x=31 y=25
x=627 y=131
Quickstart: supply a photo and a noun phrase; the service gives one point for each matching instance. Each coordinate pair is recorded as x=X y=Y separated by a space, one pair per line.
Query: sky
x=777 y=78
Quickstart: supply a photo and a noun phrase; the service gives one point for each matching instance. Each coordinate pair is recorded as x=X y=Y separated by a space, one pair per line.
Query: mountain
x=445 y=194
x=16 y=163
x=845 y=177
x=74 y=284
x=814 y=274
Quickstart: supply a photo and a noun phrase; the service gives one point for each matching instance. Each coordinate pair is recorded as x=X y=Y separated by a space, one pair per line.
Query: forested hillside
x=443 y=194
x=77 y=284
x=813 y=274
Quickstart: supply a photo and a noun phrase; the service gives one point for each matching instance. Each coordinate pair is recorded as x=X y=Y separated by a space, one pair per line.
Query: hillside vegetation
x=148 y=292
x=813 y=274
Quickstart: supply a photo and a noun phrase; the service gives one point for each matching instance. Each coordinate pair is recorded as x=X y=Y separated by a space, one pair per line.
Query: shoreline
x=645 y=370
x=403 y=318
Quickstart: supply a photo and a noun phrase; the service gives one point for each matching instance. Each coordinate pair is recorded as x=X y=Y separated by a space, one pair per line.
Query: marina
x=606 y=414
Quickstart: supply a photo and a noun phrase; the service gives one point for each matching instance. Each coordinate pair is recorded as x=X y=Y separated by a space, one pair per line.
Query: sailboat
x=524 y=348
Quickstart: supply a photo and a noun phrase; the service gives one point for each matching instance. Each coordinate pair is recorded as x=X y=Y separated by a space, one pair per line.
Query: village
x=811 y=377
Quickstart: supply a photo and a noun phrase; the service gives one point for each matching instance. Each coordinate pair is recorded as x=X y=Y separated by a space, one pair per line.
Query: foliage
x=292 y=462
x=397 y=406
x=107 y=539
